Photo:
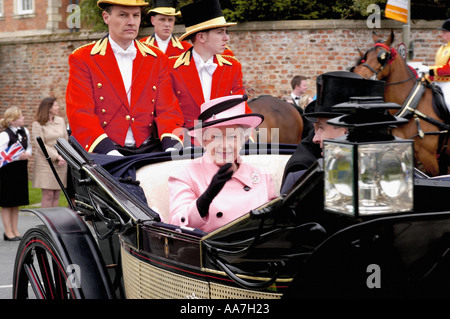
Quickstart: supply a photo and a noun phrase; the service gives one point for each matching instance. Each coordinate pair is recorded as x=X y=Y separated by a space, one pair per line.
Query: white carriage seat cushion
x=154 y=178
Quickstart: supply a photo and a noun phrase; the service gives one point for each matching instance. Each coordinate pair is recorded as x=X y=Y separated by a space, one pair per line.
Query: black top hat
x=202 y=15
x=165 y=7
x=445 y=25
x=338 y=87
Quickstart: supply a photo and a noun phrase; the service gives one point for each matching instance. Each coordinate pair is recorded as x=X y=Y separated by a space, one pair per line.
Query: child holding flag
x=15 y=149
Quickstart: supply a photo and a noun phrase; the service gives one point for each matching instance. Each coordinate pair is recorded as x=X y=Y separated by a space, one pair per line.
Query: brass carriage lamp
x=368 y=171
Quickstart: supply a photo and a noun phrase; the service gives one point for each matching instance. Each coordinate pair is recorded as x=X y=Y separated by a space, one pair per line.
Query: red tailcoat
x=175 y=47
x=97 y=104
x=226 y=80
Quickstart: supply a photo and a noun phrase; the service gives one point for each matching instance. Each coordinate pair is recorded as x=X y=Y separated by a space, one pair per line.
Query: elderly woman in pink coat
x=219 y=187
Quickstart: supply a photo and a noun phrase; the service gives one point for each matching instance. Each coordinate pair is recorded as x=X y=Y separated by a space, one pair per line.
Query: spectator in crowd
x=298 y=96
x=49 y=126
x=15 y=150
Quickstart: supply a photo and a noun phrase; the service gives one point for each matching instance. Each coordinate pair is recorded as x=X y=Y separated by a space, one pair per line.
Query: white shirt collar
x=199 y=60
x=117 y=48
x=205 y=72
x=159 y=40
x=162 y=44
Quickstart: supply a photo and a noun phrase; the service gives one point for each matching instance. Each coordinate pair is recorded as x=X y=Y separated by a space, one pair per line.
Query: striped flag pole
x=400 y=10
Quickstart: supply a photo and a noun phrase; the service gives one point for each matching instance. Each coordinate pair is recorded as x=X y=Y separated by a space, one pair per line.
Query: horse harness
x=385 y=57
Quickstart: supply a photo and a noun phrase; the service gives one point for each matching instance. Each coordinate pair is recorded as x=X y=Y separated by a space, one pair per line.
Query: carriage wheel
x=39 y=271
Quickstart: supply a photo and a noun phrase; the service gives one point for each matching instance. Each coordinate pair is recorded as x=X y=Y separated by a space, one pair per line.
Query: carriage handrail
x=132 y=207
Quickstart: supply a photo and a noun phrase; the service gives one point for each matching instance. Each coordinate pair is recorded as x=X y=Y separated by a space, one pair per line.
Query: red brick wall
x=36 y=21
x=12 y=22
x=32 y=68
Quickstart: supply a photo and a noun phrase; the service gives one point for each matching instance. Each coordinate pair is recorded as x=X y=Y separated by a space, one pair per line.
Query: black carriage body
x=289 y=248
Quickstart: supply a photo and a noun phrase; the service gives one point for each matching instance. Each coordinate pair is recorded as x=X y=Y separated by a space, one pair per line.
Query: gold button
x=154 y=88
x=153 y=113
x=150 y=125
x=86 y=147
x=153 y=100
x=127 y=117
x=103 y=111
x=178 y=92
x=132 y=119
x=99 y=85
x=231 y=92
x=101 y=98
x=104 y=123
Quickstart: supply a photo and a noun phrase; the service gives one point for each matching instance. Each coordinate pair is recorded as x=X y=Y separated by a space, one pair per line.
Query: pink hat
x=225 y=111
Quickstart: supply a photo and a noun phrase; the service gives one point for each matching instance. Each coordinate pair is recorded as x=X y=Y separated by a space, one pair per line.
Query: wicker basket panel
x=226 y=292
x=144 y=281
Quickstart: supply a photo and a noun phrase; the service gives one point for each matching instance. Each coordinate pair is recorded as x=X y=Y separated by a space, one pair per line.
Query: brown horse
x=425 y=126
x=282 y=122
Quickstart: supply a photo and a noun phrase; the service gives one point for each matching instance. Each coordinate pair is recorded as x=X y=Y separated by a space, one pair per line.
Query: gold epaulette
x=145 y=48
x=84 y=45
x=100 y=46
x=231 y=57
x=149 y=40
x=183 y=59
x=222 y=59
x=176 y=43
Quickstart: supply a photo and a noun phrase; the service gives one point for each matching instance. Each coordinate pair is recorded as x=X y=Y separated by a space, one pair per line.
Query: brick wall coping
x=40 y=36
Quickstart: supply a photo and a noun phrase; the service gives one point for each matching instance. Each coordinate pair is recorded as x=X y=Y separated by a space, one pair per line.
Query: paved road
x=8 y=251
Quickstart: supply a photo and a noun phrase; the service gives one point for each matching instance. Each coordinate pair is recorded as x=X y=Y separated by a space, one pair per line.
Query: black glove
x=216 y=185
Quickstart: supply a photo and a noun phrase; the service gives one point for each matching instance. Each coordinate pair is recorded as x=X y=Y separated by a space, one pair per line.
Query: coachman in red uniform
x=119 y=97
x=163 y=16
x=203 y=72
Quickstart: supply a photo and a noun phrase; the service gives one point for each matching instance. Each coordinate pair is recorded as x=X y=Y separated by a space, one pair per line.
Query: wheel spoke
x=60 y=282
x=45 y=271
x=34 y=281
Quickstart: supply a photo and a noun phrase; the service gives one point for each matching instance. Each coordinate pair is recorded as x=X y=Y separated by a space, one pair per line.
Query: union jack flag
x=11 y=153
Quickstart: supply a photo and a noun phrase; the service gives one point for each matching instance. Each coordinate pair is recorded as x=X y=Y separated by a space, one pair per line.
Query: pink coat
x=249 y=188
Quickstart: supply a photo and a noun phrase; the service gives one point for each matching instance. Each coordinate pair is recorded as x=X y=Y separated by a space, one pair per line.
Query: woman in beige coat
x=49 y=126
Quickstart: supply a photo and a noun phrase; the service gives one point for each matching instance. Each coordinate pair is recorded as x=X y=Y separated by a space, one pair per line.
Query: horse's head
x=373 y=64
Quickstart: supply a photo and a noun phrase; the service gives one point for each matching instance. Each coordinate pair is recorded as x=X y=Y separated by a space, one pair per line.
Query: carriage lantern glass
x=368 y=171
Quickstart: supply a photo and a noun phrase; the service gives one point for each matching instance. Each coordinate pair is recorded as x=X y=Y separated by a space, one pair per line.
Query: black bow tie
x=296 y=98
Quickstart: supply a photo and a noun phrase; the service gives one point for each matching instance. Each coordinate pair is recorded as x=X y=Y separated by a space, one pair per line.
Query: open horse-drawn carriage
x=113 y=241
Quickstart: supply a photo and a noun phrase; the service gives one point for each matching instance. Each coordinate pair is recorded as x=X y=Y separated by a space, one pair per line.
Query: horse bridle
x=385 y=57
